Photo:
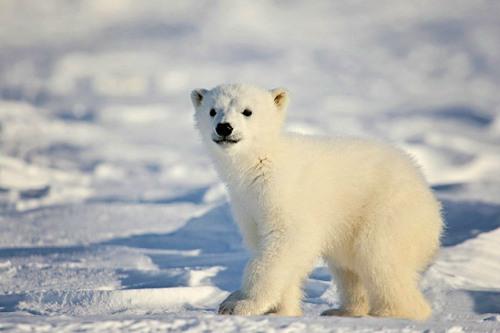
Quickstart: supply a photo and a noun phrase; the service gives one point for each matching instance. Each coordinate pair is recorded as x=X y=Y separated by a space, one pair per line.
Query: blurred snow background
x=109 y=205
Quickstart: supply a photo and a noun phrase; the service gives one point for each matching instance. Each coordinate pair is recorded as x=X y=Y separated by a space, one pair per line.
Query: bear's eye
x=247 y=113
x=212 y=113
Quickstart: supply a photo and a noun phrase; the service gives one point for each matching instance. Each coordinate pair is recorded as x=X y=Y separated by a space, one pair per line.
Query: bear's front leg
x=282 y=262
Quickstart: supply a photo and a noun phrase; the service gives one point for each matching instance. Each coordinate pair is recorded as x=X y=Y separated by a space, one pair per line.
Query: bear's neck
x=250 y=168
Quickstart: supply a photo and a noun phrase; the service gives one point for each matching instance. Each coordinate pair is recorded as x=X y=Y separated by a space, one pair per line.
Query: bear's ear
x=280 y=97
x=197 y=96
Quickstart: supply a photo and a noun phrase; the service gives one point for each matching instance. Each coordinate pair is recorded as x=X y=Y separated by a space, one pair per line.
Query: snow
x=111 y=216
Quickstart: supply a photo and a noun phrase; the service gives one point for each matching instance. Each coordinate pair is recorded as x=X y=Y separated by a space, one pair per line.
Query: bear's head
x=235 y=117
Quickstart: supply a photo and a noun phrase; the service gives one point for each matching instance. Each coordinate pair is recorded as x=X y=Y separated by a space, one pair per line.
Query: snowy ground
x=111 y=217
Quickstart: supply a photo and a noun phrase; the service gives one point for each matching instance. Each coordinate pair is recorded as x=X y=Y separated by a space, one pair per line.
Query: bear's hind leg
x=392 y=283
x=396 y=296
x=353 y=294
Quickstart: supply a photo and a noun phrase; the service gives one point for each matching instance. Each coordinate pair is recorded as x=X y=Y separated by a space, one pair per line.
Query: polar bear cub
x=362 y=206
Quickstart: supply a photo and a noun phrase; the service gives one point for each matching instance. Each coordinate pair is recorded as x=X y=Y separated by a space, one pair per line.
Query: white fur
x=362 y=206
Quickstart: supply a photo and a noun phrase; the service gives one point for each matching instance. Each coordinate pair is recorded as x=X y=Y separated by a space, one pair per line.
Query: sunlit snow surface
x=111 y=217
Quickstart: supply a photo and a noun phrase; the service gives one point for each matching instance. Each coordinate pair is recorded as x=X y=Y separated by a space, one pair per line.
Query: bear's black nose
x=224 y=129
